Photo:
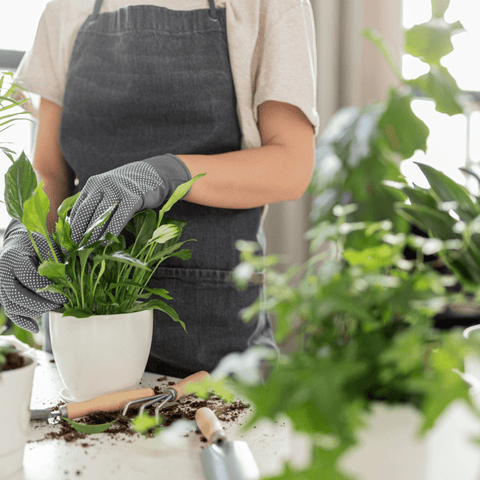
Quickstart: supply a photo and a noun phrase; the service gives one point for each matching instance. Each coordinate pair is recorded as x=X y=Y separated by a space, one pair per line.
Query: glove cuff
x=171 y=170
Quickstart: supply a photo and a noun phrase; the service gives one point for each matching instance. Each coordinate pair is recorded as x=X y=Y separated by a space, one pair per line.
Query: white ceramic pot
x=15 y=397
x=102 y=353
x=389 y=447
x=472 y=363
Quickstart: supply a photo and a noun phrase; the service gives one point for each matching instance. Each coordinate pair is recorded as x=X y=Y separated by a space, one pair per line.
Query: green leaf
x=450 y=191
x=440 y=224
x=210 y=386
x=373 y=258
x=374 y=37
x=431 y=41
x=100 y=221
x=142 y=225
x=165 y=252
x=178 y=194
x=53 y=270
x=157 y=304
x=20 y=183
x=161 y=292
x=439 y=85
x=67 y=205
x=82 y=428
x=420 y=196
x=356 y=143
x=143 y=423
x=35 y=212
x=404 y=131
x=184 y=254
x=77 y=312
x=122 y=257
x=439 y=7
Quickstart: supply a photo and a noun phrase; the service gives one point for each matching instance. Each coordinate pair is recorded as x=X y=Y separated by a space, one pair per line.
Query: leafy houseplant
x=362 y=312
x=362 y=147
x=451 y=216
x=105 y=283
x=106 y=276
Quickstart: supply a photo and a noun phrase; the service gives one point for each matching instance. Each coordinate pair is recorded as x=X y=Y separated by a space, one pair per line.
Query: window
x=452 y=143
x=16 y=36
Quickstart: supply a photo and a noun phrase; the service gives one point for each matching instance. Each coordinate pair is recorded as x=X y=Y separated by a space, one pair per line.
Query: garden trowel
x=224 y=460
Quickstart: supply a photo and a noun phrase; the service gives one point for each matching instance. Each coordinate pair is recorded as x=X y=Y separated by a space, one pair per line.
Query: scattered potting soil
x=183 y=409
x=13 y=360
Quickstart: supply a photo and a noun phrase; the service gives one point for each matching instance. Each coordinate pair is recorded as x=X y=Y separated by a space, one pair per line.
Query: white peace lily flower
x=164 y=233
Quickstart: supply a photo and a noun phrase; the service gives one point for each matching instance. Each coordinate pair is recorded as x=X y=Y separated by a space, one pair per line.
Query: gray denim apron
x=144 y=81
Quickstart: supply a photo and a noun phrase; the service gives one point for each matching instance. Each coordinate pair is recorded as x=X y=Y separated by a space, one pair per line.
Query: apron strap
x=98 y=5
x=213 y=10
x=96 y=9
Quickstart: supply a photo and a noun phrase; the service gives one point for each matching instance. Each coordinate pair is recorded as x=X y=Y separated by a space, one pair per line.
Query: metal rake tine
x=157 y=415
x=141 y=400
x=157 y=398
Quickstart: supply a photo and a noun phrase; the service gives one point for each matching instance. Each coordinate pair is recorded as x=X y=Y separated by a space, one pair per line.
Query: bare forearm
x=250 y=178
x=56 y=192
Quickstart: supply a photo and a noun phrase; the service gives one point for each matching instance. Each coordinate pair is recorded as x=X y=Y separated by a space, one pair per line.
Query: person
x=138 y=97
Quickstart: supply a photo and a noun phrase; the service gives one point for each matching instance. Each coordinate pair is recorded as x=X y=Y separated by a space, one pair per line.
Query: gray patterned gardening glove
x=134 y=187
x=20 y=281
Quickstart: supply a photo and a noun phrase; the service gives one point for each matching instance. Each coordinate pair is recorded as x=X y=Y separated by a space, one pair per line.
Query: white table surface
x=135 y=457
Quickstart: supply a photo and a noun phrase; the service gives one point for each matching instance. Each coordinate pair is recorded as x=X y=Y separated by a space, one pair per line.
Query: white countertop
x=127 y=457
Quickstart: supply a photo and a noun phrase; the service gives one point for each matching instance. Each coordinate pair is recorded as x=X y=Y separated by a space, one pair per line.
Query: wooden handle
x=180 y=386
x=106 y=403
x=208 y=423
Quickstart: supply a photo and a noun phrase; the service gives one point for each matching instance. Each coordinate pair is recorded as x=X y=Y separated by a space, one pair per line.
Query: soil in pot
x=14 y=360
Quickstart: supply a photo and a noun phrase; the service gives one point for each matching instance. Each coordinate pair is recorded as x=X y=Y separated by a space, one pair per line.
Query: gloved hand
x=134 y=187
x=20 y=280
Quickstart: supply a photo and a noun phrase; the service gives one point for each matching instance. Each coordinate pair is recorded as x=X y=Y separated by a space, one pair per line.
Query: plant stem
x=35 y=246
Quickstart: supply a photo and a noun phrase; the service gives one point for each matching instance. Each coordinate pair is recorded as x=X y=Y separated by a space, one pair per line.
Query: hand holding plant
x=100 y=277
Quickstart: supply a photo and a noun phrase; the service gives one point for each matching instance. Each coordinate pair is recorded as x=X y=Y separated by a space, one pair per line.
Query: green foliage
x=361 y=313
x=362 y=147
x=9 y=111
x=366 y=336
x=89 y=429
x=107 y=276
x=450 y=214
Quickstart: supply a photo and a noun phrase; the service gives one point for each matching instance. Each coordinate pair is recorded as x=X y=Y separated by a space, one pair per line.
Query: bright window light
x=448 y=146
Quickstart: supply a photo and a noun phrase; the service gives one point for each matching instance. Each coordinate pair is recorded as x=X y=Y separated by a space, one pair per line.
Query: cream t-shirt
x=271 y=47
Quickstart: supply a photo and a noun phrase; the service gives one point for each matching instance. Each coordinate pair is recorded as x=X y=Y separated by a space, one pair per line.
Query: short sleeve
x=38 y=72
x=287 y=69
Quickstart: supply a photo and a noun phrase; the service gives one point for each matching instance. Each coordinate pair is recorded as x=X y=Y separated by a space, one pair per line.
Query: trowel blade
x=229 y=461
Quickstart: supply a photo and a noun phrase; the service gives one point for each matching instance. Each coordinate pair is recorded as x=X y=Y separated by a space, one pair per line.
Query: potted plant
x=368 y=354
x=109 y=307
x=17 y=365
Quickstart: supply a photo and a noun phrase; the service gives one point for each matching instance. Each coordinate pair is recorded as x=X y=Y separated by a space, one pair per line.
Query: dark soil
x=183 y=409
x=14 y=360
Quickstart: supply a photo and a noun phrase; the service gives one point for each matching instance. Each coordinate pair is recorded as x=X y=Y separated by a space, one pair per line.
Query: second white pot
x=15 y=396
x=100 y=354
